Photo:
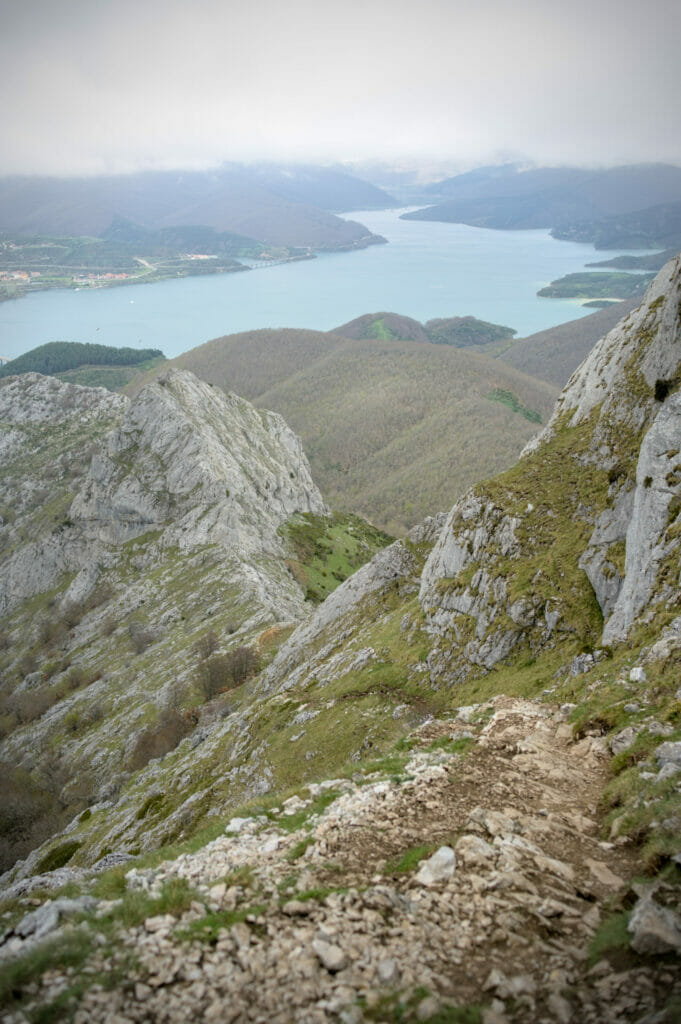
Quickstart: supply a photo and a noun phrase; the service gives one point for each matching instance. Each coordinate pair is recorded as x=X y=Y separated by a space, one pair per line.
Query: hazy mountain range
x=630 y=206
x=278 y=206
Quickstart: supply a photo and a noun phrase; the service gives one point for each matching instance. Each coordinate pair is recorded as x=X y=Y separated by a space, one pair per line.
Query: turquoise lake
x=427 y=270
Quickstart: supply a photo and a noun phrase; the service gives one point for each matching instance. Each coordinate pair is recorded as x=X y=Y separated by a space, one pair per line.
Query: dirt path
x=507 y=928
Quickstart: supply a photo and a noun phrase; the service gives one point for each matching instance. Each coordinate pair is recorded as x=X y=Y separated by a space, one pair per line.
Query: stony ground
x=333 y=917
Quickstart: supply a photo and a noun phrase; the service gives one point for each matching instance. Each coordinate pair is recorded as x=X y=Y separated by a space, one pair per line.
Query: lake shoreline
x=425 y=271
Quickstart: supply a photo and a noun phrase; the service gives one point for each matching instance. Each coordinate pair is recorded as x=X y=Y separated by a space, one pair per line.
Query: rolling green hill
x=597 y=285
x=394 y=431
x=58 y=357
x=460 y=331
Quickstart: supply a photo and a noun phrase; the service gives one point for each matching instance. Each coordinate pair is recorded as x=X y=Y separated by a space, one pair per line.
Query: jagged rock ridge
x=186 y=460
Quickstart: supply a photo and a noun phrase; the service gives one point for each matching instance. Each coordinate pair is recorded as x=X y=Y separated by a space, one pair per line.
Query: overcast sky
x=93 y=86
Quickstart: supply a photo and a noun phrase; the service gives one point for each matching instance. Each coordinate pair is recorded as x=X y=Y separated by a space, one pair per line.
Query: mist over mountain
x=570 y=200
x=282 y=206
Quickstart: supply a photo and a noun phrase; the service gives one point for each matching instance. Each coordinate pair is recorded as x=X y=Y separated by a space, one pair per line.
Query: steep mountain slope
x=122 y=543
x=568 y=504
x=554 y=354
x=452 y=793
x=392 y=430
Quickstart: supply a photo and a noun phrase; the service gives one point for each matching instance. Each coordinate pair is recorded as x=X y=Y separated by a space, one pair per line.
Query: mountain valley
x=265 y=763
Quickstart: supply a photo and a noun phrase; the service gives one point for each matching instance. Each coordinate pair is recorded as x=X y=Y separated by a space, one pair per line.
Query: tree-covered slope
x=555 y=353
x=58 y=356
x=393 y=430
x=459 y=331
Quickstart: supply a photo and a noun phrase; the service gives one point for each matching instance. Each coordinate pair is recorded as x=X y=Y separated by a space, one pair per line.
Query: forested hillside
x=393 y=429
x=58 y=356
x=615 y=207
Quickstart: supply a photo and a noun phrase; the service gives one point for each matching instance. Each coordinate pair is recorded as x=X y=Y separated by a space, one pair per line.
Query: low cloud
x=116 y=87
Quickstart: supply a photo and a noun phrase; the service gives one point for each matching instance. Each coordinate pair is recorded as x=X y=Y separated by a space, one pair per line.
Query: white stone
x=668 y=753
x=654 y=929
x=331 y=956
x=237 y=825
x=438 y=868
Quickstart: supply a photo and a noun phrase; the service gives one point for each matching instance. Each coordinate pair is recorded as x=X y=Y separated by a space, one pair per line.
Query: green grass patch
x=136 y=906
x=380 y=330
x=611 y=935
x=411 y=858
x=325 y=550
x=297 y=851
x=69 y=950
x=151 y=804
x=319 y=893
x=57 y=857
x=292 y=822
x=455 y=746
x=207 y=929
x=111 y=884
x=513 y=402
x=394 y=1008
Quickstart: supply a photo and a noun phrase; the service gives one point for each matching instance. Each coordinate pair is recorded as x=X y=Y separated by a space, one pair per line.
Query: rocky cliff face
x=48 y=433
x=203 y=466
x=187 y=461
x=131 y=529
x=577 y=540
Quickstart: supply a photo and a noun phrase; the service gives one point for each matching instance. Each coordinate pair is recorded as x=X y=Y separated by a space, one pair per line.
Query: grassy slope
x=393 y=431
x=118 y=692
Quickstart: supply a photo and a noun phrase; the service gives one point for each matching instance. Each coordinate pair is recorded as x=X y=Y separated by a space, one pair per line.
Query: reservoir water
x=427 y=270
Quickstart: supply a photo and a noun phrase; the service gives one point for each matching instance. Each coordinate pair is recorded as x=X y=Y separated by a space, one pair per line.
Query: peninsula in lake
x=93 y=232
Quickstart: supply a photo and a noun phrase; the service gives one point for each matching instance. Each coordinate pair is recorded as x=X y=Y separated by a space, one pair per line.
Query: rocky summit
x=265 y=765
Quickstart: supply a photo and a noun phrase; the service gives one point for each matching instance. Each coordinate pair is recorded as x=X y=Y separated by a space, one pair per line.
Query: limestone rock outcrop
x=203 y=466
x=48 y=430
x=186 y=460
x=605 y=470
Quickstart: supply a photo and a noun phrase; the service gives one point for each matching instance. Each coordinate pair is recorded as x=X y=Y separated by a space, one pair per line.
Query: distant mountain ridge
x=651 y=228
x=563 y=198
x=274 y=205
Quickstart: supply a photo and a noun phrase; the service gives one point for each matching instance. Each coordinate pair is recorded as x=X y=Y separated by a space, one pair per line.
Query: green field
x=597 y=286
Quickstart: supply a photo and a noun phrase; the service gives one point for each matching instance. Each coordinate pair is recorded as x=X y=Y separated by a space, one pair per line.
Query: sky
x=105 y=87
